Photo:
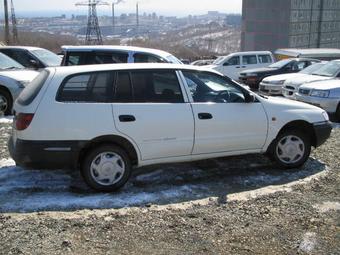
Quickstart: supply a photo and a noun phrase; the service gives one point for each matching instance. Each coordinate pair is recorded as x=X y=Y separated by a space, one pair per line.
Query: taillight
x=23 y=120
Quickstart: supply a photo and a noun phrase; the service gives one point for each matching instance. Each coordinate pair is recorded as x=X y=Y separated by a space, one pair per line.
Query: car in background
x=331 y=70
x=106 y=54
x=324 y=94
x=202 y=62
x=31 y=57
x=272 y=85
x=253 y=77
x=13 y=78
x=232 y=64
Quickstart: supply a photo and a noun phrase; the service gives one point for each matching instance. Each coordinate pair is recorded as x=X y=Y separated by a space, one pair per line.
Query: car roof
x=133 y=66
x=115 y=48
x=29 y=48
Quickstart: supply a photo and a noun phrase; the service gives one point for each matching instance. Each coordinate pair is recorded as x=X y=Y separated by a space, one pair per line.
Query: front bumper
x=328 y=104
x=322 y=132
x=269 y=89
x=251 y=81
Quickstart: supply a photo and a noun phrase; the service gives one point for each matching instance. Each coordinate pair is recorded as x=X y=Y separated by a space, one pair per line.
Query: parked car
x=202 y=62
x=106 y=54
x=106 y=119
x=31 y=57
x=234 y=63
x=315 y=53
x=329 y=71
x=272 y=85
x=253 y=77
x=13 y=78
x=324 y=94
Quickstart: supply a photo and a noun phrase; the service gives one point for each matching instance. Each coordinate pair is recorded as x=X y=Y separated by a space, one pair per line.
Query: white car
x=329 y=71
x=272 y=85
x=13 y=78
x=232 y=64
x=324 y=94
x=106 y=119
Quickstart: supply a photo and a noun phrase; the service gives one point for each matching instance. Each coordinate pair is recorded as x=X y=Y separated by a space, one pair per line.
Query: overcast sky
x=164 y=7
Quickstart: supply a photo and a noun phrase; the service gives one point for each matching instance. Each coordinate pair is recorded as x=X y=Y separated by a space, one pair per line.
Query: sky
x=161 y=7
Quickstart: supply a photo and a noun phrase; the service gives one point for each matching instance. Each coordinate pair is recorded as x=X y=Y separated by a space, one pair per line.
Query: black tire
x=337 y=113
x=93 y=159
x=297 y=140
x=6 y=97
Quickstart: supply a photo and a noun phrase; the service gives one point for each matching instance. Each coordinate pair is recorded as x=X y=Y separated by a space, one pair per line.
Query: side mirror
x=34 y=64
x=249 y=98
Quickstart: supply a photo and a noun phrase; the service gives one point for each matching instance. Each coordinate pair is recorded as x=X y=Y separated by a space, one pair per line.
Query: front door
x=224 y=121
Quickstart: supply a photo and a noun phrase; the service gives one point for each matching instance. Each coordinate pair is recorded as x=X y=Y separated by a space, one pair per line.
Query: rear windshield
x=32 y=89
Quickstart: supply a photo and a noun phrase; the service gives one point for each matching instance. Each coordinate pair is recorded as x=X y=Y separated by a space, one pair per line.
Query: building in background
x=269 y=25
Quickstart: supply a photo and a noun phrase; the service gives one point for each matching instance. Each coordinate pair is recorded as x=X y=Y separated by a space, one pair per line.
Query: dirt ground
x=238 y=205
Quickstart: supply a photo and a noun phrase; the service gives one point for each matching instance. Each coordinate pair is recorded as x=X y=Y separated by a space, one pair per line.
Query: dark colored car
x=31 y=57
x=253 y=77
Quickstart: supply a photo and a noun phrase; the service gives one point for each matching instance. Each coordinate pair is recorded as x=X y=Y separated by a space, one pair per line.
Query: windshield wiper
x=10 y=68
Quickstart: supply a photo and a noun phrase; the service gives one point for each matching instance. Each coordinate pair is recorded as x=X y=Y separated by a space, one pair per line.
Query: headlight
x=325 y=115
x=23 y=84
x=320 y=93
x=277 y=82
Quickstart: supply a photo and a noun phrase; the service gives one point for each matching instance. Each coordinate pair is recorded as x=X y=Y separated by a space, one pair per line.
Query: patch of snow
x=328 y=206
x=308 y=242
x=6 y=120
x=336 y=125
x=156 y=175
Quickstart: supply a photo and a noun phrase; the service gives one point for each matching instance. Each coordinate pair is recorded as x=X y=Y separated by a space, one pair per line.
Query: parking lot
x=290 y=211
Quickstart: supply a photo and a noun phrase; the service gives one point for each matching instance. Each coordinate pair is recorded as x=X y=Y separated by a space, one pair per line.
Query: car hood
x=289 y=104
x=328 y=84
x=259 y=70
x=306 y=79
x=283 y=77
x=20 y=75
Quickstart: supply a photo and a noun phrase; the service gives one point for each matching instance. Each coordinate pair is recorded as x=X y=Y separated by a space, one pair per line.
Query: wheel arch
x=2 y=87
x=120 y=141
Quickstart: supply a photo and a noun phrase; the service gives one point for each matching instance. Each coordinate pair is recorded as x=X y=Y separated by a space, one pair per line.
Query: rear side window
x=264 y=59
x=249 y=60
x=108 y=58
x=73 y=58
x=147 y=58
x=88 y=87
x=159 y=86
x=31 y=91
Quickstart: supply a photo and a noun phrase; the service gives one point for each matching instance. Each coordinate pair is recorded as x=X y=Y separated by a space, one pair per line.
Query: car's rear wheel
x=291 y=149
x=106 y=168
x=337 y=113
x=6 y=102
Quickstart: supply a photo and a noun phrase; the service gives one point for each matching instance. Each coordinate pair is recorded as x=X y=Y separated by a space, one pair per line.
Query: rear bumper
x=322 y=132
x=45 y=154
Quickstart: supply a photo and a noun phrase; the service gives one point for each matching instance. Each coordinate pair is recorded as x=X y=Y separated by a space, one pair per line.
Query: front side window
x=233 y=61
x=21 y=56
x=73 y=58
x=300 y=65
x=263 y=59
x=249 y=60
x=87 y=87
x=147 y=58
x=210 y=87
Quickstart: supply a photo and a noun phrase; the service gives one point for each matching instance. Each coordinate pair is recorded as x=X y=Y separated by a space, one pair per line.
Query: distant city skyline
x=161 y=7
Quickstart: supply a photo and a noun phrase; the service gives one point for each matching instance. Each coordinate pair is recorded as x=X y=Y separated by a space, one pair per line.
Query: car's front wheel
x=291 y=149
x=5 y=102
x=106 y=168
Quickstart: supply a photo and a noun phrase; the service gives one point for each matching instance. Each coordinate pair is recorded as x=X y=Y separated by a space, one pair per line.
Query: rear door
x=151 y=109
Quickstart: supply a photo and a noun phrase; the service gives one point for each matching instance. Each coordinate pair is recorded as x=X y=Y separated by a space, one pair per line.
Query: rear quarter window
x=32 y=89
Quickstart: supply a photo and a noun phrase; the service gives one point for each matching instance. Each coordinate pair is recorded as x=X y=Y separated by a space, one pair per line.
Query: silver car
x=13 y=78
x=324 y=94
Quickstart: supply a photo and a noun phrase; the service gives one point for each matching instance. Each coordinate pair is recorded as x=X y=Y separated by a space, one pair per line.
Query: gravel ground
x=243 y=206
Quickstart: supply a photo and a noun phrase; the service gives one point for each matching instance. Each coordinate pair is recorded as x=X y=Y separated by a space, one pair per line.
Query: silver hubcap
x=3 y=103
x=107 y=168
x=290 y=149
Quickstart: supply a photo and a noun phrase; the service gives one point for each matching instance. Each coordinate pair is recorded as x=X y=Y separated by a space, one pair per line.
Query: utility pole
x=7 y=40
x=93 y=33
x=113 y=18
x=137 y=17
x=14 y=25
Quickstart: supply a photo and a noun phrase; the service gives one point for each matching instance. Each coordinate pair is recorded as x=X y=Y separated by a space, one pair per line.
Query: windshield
x=219 y=60
x=329 y=70
x=173 y=59
x=312 y=68
x=280 y=63
x=48 y=57
x=8 y=63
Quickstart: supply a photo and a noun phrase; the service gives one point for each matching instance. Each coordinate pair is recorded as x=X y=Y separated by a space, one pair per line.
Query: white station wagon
x=107 y=119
